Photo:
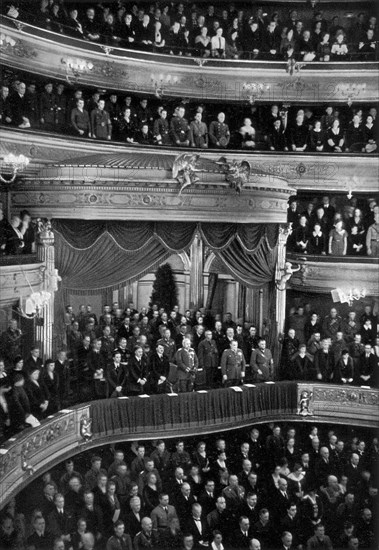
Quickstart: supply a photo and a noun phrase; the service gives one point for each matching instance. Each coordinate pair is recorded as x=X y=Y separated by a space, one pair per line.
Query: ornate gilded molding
x=312 y=172
x=40 y=52
x=324 y=274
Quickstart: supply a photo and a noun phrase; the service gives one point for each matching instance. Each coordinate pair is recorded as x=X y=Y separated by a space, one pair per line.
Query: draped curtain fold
x=99 y=254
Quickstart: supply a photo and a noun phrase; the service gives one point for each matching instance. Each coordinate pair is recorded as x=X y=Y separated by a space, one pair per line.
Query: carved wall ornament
x=85 y=428
x=184 y=169
x=286 y=274
x=305 y=403
x=355 y=397
x=236 y=173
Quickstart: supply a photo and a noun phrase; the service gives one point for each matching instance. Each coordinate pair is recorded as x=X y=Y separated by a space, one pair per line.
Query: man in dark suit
x=353 y=472
x=92 y=514
x=207 y=355
x=220 y=517
x=242 y=535
x=159 y=367
x=364 y=375
x=61 y=522
x=280 y=499
x=137 y=372
x=207 y=498
x=183 y=503
x=134 y=517
x=323 y=467
x=197 y=526
x=96 y=363
x=146 y=538
x=250 y=508
x=41 y=538
x=116 y=377
x=33 y=360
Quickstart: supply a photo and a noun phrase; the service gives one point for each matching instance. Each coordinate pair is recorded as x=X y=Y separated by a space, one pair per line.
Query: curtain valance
x=99 y=254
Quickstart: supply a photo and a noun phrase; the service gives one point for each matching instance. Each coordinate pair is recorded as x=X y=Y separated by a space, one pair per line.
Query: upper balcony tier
x=25 y=47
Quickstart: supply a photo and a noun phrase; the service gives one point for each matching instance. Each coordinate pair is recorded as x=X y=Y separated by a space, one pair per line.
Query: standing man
x=261 y=362
x=233 y=365
x=208 y=358
x=180 y=130
x=187 y=362
x=159 y=368
x=101 y=122
x=219 y=133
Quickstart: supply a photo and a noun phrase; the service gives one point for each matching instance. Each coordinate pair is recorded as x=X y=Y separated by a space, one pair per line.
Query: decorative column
x=280 y=290
x=46 y=254
x=196 y=272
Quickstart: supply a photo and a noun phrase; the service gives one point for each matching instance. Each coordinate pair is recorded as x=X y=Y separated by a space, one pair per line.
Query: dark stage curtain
x=192 y=412
x=92 y=255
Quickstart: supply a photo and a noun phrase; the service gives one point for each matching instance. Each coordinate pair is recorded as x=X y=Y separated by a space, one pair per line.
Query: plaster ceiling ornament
x=184 y=169
x=237 y=173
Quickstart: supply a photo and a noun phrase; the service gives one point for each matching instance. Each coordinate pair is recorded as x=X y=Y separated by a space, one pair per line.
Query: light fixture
x=75 y=67
x=347 y=296
x=6 y=40
x=350 y=91
x=34 y=303
x=161 y=81
x=17 y=163
x=254 y=90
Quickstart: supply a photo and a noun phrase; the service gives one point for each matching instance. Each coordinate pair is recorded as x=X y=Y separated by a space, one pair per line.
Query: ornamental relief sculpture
x=355 y=397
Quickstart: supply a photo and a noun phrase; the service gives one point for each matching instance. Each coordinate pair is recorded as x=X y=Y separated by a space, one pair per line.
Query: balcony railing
x=81 y=63
x=84 y=427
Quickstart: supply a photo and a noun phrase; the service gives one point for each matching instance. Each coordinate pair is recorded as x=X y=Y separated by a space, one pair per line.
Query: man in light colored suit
x=233 y=365
x=187 y=362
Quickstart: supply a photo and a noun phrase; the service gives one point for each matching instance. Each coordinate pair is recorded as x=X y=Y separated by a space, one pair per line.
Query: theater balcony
x=80 y=63
x=323 y=274
x=18 y=274
x=72 y=431
x=102 y=178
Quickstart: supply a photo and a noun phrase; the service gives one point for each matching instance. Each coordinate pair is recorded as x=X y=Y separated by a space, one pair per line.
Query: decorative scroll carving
x=354 y=397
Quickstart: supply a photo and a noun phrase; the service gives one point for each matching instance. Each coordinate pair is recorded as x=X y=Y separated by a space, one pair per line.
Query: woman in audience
x=335 y=137
x=19 y=406
x=370 y=135
x=100 y=491
x=159 y=38
x=203 y=43
x=127 y=127
x=339 y=48
x=317 y=137
x=338 y=240
x=317 y=240
x=49 y=379
x=234 y=40
x=248 y=134
x=150 y=493
x=37 y=394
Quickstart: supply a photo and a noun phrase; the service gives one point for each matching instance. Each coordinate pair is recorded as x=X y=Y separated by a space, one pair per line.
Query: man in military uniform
x=168 y=345
x=219 y=133
x=101 y=122
x=60 y=108
x=208 y=358
x=114 y=110
x=187 y=362
x=261 y=362
x=199 y=132
x=47 y=107
x=233 y=365
x=181 y=133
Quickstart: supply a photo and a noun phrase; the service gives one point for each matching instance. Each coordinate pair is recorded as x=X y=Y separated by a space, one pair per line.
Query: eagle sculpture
x=236 y=173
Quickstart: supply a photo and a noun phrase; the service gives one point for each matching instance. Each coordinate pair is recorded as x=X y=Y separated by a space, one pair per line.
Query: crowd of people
x=320 y=227
x=265 y=488
x=126 y=352
x=228 y=31
x=134 y=120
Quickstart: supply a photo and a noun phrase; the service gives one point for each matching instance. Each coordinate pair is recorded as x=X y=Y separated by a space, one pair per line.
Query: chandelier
x=17 y=163
x=34 y=304
x=161 y=81
x=347 y=296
